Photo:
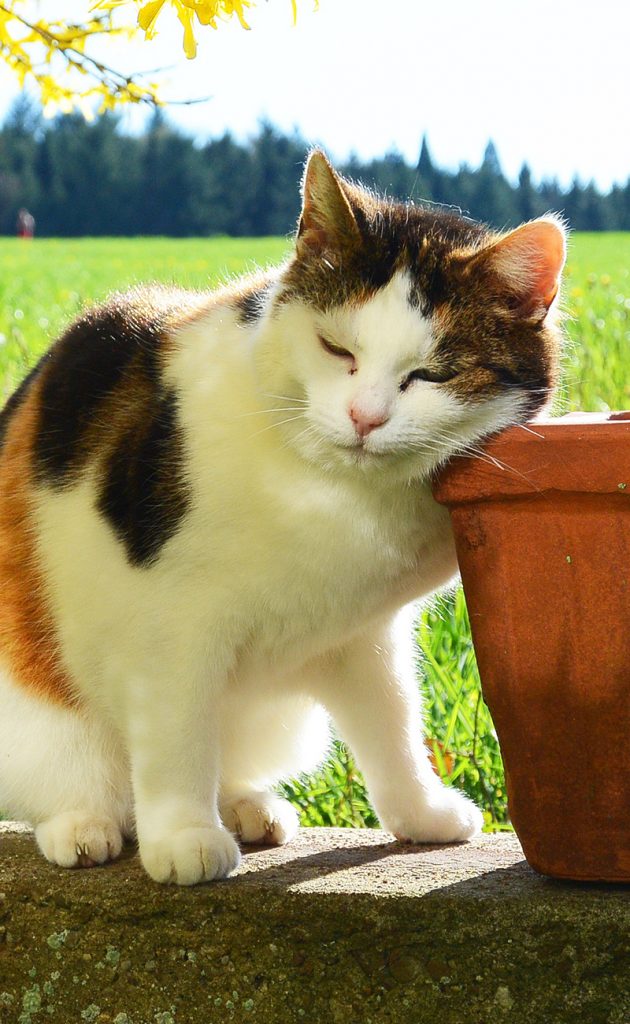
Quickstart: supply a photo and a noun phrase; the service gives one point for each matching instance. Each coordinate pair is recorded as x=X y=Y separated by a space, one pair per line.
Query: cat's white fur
x=203 y=678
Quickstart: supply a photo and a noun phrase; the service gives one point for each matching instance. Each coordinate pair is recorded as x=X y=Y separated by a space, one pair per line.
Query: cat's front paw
x=446 y=816
x=76 y=839
x=261 y=818
x=190 y=855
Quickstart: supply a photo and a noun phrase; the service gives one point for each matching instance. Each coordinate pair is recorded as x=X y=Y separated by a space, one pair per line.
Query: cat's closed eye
x=432 y=376
x=334 y=350
x=503 y=374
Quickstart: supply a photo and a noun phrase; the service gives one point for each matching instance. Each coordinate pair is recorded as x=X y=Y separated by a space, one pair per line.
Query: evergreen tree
x=172 y=188
x=618 y=205
x=227 y=170
x=93 y=179
x=389 y=175
x=352 y=168
x=491 y=199
x=427 y=184
x=19 y=185
x=552 y=196
x=459 y=190
x=491 y=162
x=527 y=199
x=272 y=204
x=587 y=209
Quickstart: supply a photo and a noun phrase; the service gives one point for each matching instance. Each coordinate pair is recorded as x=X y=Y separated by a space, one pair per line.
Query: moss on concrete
x=343 y=926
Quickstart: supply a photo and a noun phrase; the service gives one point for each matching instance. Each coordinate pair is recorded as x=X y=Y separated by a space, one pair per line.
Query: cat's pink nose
x=366 y=422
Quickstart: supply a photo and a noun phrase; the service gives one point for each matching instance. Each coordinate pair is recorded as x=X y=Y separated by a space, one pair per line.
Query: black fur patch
x=84 y=367
x=250 y=306
x=103 y=403
x=143 y=494
x=15 y=400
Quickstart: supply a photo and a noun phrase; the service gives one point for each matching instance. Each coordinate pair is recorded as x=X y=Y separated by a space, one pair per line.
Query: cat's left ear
x=327 y=221
x=528 y=263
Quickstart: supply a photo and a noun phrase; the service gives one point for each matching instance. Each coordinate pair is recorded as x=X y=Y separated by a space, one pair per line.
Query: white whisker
x=471 y=450
x=530 y=431
x=290 y=419
x=262 y=412
x=286 y=398
x=310 y=430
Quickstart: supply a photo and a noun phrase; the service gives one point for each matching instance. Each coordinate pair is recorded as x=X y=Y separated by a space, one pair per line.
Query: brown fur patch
x=28 y=642
x=350 y=267
x=491 y=346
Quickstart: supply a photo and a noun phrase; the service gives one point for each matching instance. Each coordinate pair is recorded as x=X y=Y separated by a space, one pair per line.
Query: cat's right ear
x=327 y=222
x=528 y=263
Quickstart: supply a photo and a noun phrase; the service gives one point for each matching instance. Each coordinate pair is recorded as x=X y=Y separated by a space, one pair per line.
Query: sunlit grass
x=597 y=297
x=45 y=283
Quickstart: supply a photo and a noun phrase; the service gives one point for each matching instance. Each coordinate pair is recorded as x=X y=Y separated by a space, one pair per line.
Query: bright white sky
x=548 y=80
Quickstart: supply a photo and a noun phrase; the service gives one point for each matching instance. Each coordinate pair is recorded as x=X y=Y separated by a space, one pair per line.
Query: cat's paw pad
x=190 y=855
x=77 y=840
x=262 y=818
x=448 y=817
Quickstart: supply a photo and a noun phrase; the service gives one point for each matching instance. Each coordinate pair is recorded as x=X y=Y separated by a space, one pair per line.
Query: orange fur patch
x=28 y=643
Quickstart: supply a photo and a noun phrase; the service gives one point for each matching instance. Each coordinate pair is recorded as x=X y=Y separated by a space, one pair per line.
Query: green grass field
x=45 y=283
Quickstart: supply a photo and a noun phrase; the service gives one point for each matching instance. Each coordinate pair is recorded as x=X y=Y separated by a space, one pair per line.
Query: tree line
x=92 y=178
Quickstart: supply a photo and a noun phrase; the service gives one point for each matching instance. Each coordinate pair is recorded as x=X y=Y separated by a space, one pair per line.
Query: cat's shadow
x=392 y=868
x=386 y=868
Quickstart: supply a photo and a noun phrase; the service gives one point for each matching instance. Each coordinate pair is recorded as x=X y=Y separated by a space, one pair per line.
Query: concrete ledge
x=342 y=926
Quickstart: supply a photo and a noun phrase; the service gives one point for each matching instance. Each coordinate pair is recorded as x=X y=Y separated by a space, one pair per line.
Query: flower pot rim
x=580 y=453
x=570 y=418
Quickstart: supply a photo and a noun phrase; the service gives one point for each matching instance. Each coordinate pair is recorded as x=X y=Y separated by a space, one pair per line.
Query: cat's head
x=404 y=333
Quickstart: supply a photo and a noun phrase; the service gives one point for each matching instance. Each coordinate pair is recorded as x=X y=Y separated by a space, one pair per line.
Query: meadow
x=45 y=283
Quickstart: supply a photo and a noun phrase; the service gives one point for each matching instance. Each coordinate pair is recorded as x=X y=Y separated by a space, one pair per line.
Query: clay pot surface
x=542 y=528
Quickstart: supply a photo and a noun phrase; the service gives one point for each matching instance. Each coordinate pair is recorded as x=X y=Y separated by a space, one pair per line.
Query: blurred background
x=502 y=108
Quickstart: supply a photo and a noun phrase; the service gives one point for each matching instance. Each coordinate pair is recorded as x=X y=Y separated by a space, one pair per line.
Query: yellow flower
x=147 y=16
x=53 y=54
x=205 y=12
x=191 y=13
x=185 y=15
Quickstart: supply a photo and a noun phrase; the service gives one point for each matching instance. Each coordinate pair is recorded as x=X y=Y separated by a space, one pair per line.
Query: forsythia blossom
x=205 y=12
x=52 y=54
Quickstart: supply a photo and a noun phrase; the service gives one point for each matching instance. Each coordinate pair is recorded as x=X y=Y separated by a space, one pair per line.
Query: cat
x=216 y=512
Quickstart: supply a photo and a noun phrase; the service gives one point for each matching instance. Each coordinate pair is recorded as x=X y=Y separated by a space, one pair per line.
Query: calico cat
x=215 y=511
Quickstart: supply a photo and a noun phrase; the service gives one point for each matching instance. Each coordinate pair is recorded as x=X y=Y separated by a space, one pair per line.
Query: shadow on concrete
x=408 y=870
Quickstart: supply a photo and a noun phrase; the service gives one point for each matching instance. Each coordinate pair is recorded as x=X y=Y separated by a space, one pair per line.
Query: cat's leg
x=267 y=737
x=63 y=770
x=371 y=690
x=173 y=735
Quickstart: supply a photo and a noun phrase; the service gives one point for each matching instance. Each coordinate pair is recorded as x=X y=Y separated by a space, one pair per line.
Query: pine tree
x=19 y=186
x=492 y=199
x=425 y=185
x=92 y=179
x=527 y=199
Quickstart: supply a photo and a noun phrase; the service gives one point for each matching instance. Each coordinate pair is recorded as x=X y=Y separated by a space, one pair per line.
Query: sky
x=548 y=81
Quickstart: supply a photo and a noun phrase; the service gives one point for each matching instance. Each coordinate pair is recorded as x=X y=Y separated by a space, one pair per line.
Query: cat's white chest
x=313 y=560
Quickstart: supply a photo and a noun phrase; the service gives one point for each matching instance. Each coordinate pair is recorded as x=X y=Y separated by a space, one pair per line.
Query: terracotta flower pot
x=542 y=527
